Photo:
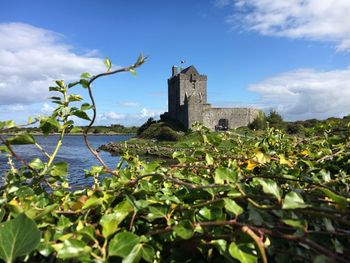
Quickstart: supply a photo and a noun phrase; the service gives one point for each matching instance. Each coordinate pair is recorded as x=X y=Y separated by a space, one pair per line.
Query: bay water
x=73 y=151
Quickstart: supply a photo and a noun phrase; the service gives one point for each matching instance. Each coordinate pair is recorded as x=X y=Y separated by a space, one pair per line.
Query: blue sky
x=291 y=56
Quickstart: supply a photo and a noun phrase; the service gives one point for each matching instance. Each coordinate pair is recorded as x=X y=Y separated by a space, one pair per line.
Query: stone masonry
x=187 y=103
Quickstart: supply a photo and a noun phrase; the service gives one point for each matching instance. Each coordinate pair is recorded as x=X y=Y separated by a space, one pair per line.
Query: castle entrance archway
x=222 y=125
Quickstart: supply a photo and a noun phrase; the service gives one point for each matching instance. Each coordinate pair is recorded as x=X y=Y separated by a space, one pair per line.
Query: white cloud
x=12 y=108
x=128 y=119
x=149 y=113
x=31 y=58
x=112 y=116
x=306 y=93
x=323 y=20
x=47 y=109
x=222 y=3
x=129 y=104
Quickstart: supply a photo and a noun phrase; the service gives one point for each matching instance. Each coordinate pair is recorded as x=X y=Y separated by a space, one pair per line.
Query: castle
x=187 y=103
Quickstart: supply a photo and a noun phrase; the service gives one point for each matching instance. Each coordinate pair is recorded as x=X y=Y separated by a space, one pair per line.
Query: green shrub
x=259 y=122
x=144 y=126
x=161 y=132
x=294 y=128
x=275 y=120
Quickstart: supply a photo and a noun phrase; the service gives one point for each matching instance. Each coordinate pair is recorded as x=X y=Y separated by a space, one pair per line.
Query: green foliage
x=160 y=131
x=275 y=120
x=108 y=64
x=259 y=123
x=144 y=126
x=294 y=128
x=21 y=139
x=226 y=197
x=18 y=237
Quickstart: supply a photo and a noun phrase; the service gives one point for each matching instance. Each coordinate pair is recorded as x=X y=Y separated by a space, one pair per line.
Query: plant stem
x=63 y=131
x=85 y=133
x=258 y=241
x=42 y=150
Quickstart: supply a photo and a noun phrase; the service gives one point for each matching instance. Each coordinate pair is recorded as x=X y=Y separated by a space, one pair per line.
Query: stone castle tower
x=187 y=103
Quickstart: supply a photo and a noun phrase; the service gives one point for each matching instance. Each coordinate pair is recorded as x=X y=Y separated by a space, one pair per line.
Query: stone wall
x=195 y=110
x=237 y=117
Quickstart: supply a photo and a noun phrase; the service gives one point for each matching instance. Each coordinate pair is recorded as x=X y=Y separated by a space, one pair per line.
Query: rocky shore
x=142 y=148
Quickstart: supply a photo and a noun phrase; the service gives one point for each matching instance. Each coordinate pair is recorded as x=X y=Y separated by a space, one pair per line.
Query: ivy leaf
x=233 y=207
x=84 y=83
x=55 y=98
x=60 y=169
x=210 y=214
x=108 y=64
x=72 y=248
x=147 y=253
x=36 y=164
x=209 y=159
x=122 y=244
x=294 y=223
x=85 y=106
x=132 y=71
x=49 y=124
x=93 y=201
x=184 y=229
x=110 y=222
x=270 y=187
x=123 y=209
x=55 y=89
x=141 y=59
x=63 y=223
x=220 y=244
x=261 y=157
x=328 y=224
x=21 y=139
x=237 y=252
x=293 y=200
x=88 y=231
x=223 y=174
x=283 y=160
x=54 y=122
x=155 y=212
x=85 y=75
x=18 y=237
x=251 y=165
x=60 y=83
x=135 y=255
x=81 y=114
x=7 y=124
x=4 y=149
x=45 y=249
x=74 y=97
x=340 y=200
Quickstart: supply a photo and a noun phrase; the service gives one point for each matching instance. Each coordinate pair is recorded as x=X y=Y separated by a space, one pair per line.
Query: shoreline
x=74 y=134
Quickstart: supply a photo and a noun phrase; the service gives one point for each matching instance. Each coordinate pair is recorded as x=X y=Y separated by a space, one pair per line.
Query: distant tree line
x=115 y=128
x=335 y=126
x=100 y=129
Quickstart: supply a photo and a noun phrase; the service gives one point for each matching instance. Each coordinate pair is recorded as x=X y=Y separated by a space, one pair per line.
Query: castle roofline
x=190 y=70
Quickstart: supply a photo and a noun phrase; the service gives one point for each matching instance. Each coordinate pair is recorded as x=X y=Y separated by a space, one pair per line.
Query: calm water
x=73 y=151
